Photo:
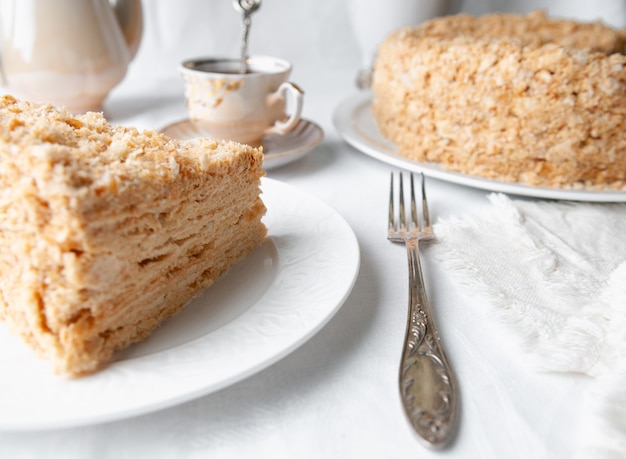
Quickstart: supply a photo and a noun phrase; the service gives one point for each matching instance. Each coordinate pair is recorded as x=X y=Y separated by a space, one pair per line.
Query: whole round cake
x=517 y=98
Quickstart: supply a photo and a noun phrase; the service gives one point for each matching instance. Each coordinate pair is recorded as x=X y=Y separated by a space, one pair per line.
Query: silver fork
x=427 y=385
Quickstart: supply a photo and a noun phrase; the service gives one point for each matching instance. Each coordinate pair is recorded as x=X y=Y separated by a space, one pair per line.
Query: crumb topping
x=509 y=97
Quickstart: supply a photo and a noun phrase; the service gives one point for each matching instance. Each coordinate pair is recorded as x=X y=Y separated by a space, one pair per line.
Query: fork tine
x=398 y=226
x=414 y=216
x=425 y=213
x=391 y=225
x=403 y=227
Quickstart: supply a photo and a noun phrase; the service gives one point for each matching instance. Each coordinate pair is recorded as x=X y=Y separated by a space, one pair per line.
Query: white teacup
x=224 y=103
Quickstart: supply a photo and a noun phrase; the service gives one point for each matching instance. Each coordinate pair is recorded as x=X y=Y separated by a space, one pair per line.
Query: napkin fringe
x=576 y=349
x=555 y=275
x=553 y=339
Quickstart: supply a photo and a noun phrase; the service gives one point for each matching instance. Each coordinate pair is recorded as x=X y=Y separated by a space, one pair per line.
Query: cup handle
x=285 y=90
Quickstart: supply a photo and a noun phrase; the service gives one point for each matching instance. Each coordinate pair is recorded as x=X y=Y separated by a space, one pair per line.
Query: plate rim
x=345 y=122
x=334 y=299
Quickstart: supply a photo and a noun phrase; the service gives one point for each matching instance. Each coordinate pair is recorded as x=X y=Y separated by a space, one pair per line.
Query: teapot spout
x=129 y=15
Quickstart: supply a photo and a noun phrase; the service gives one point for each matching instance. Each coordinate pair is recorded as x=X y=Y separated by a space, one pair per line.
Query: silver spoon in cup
x=246 y=8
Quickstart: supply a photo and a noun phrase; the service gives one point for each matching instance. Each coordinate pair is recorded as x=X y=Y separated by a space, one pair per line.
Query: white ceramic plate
x=264 y=308
x=354 y=122
x=278 y=149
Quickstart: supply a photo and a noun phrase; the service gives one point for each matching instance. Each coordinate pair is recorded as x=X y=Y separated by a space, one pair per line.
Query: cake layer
x=508 y=97
x=106 y=231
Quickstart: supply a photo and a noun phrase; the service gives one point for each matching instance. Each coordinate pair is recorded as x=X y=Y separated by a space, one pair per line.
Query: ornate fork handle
x=427 y=386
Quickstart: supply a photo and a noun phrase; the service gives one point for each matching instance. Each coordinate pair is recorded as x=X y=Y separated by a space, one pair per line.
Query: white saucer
x=278 y=149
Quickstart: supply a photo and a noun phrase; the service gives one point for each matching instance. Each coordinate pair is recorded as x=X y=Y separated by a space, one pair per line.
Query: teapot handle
x=129 y=16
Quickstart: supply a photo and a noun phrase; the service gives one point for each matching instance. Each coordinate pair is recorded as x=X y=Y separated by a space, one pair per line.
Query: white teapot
x=67 y=52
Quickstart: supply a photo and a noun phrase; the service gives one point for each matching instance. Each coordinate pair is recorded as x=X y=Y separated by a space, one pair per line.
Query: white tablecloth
x=337 y=395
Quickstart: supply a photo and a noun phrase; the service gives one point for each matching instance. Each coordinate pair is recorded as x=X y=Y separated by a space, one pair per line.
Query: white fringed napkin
x=555 y=273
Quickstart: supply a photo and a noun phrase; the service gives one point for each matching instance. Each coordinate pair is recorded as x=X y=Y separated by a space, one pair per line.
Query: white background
x=336 y=396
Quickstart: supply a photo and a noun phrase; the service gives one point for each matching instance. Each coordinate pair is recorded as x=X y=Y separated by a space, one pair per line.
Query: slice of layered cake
x=106 y=231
